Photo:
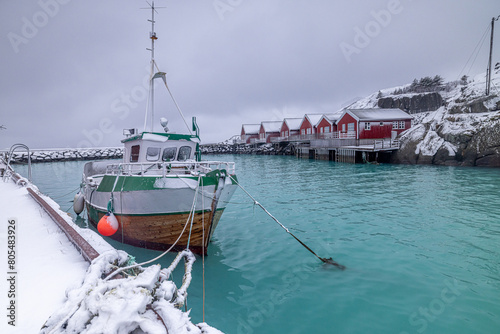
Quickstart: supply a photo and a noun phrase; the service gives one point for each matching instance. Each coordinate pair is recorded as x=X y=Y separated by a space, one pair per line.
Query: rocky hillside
x=454 y=124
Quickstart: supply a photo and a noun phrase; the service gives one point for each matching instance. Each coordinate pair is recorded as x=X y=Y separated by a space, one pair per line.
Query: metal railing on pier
x=169 y=168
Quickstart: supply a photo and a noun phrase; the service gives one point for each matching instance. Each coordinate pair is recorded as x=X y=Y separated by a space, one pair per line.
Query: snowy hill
x=454 y=123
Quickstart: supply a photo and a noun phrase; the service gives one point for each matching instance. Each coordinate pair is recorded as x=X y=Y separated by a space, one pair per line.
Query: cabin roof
x=159 y=137
x=293 y=123
x=332 y=118
x=377 y=114
x=313 y=118
x=251 y=129
x=272 y=126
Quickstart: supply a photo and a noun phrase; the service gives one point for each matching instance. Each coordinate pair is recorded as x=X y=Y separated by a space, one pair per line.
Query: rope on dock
x=324 y=260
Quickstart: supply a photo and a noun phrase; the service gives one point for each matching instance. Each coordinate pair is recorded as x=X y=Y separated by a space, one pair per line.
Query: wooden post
x=488 y=71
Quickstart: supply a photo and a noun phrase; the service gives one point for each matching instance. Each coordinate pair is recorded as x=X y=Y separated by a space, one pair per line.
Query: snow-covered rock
x=463 y=129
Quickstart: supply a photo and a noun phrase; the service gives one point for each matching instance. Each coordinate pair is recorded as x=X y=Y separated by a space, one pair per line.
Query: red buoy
x=108 y=225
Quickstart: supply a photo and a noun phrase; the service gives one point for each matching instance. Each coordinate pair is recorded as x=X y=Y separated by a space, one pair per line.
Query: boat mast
x=488 y=71
x=152 y=36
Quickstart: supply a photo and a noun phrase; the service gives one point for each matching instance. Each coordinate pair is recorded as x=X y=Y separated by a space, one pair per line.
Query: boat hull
x=160 y=232
x=153 y=212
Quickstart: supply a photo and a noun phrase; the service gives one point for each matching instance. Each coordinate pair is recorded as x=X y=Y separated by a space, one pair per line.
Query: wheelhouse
x=160 y=147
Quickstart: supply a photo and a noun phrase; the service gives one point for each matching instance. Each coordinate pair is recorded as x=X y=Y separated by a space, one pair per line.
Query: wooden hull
x=160 y=232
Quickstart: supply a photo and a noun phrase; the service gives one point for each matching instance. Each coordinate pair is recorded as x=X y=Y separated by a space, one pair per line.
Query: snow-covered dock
x=50 y=287
x=45 y=262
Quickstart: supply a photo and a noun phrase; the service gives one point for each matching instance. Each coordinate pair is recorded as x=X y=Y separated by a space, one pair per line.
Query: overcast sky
x=72 y=73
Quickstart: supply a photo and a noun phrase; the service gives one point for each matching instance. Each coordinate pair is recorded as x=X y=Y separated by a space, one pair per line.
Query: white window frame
x=395 y=125
x=401 y=124
x=368 y=126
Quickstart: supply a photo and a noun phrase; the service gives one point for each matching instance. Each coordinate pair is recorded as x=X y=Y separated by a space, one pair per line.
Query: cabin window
x=169 y=154
x=381 y=123
x=153 y=154
x=343 y=127
x=327 y=129
x=401 y=124
x=395 y=124
x=308 y=131
x=303 y=131
x=321 y=130
x=350 y=127
x=367 y=126
x=134 y=153
x=184 y=153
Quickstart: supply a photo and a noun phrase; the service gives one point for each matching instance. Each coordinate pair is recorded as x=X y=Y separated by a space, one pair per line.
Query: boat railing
x=167 y=168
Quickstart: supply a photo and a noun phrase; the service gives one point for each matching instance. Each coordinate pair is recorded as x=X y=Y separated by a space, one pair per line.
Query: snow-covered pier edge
x=57 y=291
x=65 y=154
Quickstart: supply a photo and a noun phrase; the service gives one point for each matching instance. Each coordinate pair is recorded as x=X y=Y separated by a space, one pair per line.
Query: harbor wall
x=66 y=154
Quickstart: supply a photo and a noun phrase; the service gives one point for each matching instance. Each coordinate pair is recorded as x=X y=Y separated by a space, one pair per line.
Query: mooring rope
x=324 y=260
x=203 y=245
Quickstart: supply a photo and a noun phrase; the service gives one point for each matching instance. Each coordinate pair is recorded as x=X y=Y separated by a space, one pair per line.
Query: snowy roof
x=379 y=114
x=313 y=118
x=293 y=123
x=272 y=126
x=332 y=118
x=251 y=129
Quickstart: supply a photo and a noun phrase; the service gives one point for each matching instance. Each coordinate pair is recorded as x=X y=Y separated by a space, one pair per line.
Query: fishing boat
x=162 y=193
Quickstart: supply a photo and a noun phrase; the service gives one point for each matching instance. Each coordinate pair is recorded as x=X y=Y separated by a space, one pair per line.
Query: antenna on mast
x=152 y=36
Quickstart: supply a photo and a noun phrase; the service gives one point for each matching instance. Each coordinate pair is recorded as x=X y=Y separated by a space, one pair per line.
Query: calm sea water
x=421 y=245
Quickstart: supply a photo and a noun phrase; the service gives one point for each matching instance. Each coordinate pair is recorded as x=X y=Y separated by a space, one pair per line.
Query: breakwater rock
x=68 y=154
x=259 y=149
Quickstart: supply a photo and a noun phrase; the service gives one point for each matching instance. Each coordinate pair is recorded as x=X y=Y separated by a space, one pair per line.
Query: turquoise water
x=421 y=245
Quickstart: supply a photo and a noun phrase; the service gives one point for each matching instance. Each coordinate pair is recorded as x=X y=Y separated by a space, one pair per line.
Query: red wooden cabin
x=373 y=123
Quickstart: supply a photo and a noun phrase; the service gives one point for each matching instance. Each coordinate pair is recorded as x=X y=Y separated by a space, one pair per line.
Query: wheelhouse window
x=134 y=153
x=169 y=154
x=153 y=153
x=184 y=153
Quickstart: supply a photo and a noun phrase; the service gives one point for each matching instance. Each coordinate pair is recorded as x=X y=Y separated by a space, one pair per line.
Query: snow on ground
x=46 y=261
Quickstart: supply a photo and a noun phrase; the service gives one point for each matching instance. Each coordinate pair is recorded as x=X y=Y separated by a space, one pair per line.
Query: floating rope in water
x=324 y=260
